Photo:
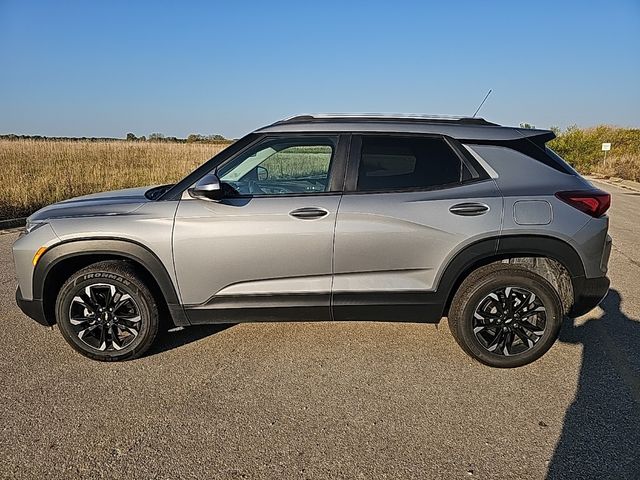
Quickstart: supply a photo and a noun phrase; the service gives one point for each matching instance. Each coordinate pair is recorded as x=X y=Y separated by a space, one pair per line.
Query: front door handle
x=309 y=213
x=469 y=209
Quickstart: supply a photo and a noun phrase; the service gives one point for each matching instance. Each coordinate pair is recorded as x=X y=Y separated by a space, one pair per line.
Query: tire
x=477 y=315
x=91 y=328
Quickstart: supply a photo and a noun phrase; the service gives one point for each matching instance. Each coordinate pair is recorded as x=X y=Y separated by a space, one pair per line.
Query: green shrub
x=582 y=148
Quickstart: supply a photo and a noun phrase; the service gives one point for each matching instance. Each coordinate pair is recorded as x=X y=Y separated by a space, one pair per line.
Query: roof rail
x=378 y=118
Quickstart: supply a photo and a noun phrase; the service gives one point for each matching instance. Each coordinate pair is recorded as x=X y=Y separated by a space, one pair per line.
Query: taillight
x=592 y=202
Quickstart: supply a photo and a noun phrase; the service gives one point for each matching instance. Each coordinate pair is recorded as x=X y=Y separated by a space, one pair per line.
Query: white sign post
x=605 y=148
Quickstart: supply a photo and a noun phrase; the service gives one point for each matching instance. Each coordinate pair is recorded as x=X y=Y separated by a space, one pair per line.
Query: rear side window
x=398 y=163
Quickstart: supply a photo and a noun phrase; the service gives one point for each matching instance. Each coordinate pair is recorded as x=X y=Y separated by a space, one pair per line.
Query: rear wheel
x=106 y=312
x=505 y=316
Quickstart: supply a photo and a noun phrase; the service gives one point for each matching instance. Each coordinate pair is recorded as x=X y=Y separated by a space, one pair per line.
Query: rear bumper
x=32 y=308
x=587 y=294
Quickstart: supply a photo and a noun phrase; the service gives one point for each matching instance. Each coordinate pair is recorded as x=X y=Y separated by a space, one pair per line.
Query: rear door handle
x=309 y=213
x=469 y=209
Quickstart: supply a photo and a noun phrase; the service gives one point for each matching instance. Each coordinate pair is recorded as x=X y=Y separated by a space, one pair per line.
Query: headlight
x=32 y=225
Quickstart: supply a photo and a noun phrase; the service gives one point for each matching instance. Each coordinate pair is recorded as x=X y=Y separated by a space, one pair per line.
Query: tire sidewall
x=126 y=284
x=524 y=279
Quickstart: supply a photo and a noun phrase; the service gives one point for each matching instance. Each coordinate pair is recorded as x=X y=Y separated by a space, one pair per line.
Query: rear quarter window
x=519 y=174
x=560 y=161
x=536 y=151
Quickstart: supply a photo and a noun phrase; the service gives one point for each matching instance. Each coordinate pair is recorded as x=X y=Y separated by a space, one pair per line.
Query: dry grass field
x=622 y=166
x=35 y=173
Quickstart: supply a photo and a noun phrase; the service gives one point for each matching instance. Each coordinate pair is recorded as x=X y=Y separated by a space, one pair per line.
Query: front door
x=263 y=252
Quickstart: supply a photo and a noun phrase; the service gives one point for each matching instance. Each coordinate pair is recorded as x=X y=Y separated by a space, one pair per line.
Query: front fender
x=108 y=247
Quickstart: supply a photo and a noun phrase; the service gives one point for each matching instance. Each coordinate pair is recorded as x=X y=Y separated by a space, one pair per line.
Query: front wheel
x=505 y=316
x=107 y=313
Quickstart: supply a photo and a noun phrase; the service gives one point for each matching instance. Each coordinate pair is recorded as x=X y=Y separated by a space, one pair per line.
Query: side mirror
x=207 y=188
x=262 y=173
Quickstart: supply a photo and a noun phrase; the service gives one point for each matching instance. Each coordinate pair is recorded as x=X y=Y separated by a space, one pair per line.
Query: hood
x=117 y=202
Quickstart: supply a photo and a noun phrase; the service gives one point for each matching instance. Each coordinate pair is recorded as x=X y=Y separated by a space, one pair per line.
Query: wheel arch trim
x=104 y=246
x=497 y=248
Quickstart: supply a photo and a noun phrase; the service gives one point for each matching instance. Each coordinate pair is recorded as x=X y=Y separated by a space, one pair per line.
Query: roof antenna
x=485 y=99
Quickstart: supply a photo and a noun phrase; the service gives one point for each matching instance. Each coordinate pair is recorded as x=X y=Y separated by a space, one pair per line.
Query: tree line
x=130 y=137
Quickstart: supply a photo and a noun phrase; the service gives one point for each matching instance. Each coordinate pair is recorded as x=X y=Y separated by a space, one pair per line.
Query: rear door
x=410 y=204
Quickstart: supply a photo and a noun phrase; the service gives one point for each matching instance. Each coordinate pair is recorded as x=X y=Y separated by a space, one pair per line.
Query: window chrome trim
x=492 y=173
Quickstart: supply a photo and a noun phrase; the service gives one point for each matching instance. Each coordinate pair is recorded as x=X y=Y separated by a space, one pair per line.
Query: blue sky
x=94 y=68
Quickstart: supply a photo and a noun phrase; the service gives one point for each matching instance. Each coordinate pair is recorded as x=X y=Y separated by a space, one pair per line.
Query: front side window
x=399 y=163
x=281 y=167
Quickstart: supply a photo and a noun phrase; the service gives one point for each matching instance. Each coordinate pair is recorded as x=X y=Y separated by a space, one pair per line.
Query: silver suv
x=386 y=218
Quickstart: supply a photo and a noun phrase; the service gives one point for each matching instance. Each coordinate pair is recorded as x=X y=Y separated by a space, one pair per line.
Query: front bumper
x=587 y=294
x=33 y=309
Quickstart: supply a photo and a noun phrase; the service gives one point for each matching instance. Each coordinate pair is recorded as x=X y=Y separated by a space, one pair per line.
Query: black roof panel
x=383 y=118
x=461 y=128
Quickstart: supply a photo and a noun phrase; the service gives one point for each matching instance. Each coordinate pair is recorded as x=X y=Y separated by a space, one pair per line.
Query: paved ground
x=344 y=400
